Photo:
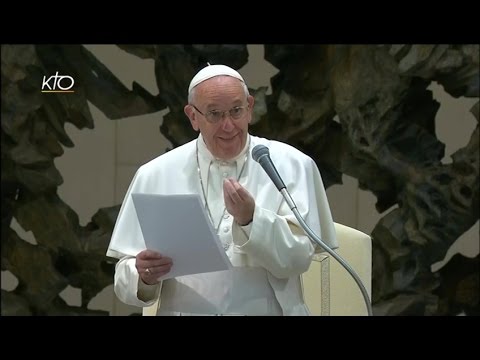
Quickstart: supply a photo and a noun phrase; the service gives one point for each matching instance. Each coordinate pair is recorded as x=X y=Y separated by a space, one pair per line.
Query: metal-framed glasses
x=215 y=116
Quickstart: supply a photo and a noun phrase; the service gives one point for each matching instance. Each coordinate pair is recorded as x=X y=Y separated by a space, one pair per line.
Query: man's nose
x=227 y=122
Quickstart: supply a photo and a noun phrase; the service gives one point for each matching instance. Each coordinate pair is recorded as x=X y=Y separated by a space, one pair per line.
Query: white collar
x=208 y=157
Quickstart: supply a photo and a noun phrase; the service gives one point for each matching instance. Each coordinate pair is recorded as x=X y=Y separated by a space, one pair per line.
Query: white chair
x=329 y=288
x=151 y=310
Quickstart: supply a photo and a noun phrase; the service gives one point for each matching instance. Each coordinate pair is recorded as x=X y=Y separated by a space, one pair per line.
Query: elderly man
x=261 y=236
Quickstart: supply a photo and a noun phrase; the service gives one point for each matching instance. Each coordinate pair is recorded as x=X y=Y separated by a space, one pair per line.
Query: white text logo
x=58 y=83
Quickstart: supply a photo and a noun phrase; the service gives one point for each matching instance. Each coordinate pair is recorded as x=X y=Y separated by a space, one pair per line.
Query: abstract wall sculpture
x=383 y=135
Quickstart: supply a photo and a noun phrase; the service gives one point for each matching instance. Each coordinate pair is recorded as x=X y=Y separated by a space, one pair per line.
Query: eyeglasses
x=215 y=116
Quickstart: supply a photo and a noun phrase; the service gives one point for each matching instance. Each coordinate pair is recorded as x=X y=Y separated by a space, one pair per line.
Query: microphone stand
x=314 y=237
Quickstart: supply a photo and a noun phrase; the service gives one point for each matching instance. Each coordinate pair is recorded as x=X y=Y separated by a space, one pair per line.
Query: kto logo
x=58 y=83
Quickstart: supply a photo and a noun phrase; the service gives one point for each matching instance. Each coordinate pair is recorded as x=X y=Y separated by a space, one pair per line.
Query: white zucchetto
x=211 y=71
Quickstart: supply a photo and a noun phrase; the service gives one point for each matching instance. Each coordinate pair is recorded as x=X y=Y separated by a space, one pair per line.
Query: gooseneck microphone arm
x=261 y=154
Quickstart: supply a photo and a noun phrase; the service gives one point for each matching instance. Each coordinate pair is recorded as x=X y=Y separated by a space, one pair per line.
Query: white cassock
x=268 y=255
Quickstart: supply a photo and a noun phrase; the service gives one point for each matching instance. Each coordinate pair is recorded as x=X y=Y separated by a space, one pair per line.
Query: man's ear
x=190 y=112
x=251 y=103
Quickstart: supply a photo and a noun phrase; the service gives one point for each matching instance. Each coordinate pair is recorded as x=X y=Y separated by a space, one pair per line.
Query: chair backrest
x=151 y=310
x=329 y=288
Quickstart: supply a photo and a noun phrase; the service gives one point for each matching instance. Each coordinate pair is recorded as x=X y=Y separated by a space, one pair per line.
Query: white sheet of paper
x=178 y=226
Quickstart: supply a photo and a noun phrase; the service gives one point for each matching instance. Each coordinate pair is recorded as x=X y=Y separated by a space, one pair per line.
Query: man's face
x=221 y=98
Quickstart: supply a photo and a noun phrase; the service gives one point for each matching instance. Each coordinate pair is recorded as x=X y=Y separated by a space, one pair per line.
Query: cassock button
x=225 y=174
x=226 y=216
x=225 y=229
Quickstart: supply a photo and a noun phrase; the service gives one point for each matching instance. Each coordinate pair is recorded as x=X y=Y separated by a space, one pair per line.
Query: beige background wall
x=98 y=170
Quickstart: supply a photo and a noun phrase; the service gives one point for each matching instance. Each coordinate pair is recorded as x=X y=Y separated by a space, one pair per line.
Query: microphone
x=261 y=154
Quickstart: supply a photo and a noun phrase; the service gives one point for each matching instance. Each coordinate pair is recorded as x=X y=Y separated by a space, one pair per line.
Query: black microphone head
x=259 y=151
